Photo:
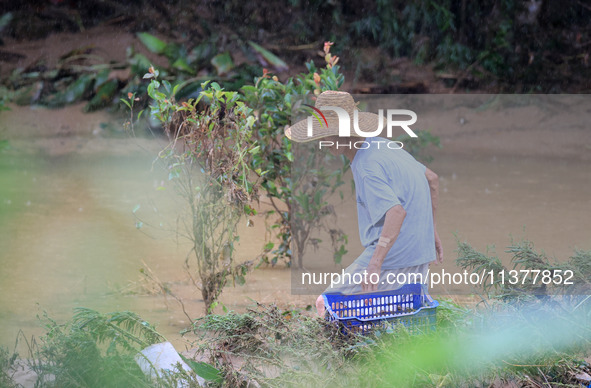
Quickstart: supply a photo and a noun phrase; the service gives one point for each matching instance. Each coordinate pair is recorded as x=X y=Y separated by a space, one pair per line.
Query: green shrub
x=94 y=350
x=273 y=105
x=208 y=163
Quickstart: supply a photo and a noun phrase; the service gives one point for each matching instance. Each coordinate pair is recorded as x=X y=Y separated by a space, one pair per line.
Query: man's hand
x=438 y=248
x=367 y=284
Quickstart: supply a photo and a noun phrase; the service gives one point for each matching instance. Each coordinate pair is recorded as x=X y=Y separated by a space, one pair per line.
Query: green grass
x=540 y=345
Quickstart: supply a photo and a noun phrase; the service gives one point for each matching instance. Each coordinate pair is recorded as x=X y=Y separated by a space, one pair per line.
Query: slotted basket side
x=409 y=305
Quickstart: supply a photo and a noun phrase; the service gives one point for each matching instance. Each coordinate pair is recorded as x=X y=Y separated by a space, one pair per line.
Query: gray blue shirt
x=385 y=178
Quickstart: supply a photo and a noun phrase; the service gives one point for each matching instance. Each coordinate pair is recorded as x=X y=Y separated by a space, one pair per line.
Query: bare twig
x=164 y=289
x=544 y=376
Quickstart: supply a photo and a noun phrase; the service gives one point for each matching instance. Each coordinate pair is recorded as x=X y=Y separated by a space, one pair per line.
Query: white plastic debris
x=583 y=376
x=162 y=358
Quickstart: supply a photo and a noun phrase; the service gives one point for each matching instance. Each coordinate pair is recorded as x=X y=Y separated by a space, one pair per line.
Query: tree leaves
x=269 y=59
x=223 y=63
x=152 y=43
x=204 y=370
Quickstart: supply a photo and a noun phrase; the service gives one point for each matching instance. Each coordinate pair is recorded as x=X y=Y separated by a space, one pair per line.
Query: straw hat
x=368 y=122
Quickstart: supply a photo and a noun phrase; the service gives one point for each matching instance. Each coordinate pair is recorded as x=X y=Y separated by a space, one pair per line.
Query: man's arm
x=392 y=224
x=433 y=180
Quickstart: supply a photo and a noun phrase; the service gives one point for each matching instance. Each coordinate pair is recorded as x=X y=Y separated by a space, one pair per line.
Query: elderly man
x=396 y=199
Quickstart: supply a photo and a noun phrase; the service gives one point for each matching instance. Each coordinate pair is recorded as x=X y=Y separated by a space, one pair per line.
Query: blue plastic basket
x=410 y=305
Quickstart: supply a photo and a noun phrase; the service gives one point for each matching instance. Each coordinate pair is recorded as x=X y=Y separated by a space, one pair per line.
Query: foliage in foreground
x=545 y=342
x=535 y=341
x=95 y=350
x=276 y=348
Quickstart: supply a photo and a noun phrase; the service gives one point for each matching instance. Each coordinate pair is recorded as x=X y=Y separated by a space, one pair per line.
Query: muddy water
x=68 y=233
x=490 y=199
x=69 y=237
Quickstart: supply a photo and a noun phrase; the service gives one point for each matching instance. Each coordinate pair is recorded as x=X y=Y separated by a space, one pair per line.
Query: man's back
x=384 y=178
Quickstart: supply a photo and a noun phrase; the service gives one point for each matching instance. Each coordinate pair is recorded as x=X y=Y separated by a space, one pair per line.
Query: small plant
x=273 y=104
x=532 y=276
x=94 y=350
x=208 y=161
x=130 y=103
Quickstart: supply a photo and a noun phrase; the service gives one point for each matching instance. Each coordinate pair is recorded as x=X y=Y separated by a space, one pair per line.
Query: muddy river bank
x=70 y=190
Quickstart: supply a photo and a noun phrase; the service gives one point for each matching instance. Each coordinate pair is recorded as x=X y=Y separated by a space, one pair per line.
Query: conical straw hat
x=368 y=122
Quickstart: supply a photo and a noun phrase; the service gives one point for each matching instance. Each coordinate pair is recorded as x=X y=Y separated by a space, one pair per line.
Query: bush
x=273 y=104
x=208 y=161
x=94 y=350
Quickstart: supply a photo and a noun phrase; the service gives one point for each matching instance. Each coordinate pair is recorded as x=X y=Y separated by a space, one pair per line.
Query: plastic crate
x=410 y=305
